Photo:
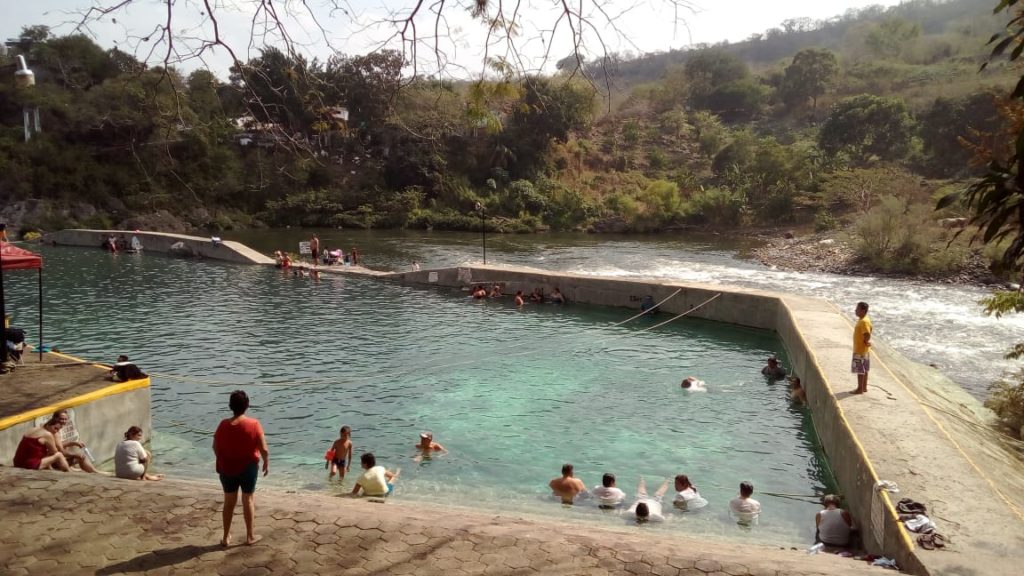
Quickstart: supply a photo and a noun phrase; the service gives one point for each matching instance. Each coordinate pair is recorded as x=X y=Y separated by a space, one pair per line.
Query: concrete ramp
x=161 y=242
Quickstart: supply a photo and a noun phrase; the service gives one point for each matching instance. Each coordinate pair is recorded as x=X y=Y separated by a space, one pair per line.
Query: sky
x=319 y=28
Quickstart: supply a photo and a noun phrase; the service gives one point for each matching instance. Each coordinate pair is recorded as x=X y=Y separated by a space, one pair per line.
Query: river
x=931 y=323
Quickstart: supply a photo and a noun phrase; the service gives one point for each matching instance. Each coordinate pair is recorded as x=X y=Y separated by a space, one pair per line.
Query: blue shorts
x=246 y=480
x=391 y=488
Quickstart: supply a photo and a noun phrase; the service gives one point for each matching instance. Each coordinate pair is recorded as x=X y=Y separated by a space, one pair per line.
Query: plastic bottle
x=88 y=454
x=816 y=548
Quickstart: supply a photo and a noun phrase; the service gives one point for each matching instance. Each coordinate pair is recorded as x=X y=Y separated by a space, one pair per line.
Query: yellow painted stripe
x=856 y=441
x=111 y=390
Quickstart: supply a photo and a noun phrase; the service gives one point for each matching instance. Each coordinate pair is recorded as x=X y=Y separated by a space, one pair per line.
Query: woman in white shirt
x=687 y=497
x=131 y=459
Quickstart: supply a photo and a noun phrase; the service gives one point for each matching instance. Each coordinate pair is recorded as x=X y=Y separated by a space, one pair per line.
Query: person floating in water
x=648 y=306
x=427 y=447
x=496 y=291
x=693 y=384
x=773 y=370
x=537 y=295
x=479 y=292
x=648 y=508
x=519 y=298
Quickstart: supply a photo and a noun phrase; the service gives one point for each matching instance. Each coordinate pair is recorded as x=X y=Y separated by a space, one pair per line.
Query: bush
x=1007 y=401
x=897 y=237
x=717 y=207
x=825 y=221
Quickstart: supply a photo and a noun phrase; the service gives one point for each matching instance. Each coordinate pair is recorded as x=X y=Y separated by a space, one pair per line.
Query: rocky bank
x=833 y=253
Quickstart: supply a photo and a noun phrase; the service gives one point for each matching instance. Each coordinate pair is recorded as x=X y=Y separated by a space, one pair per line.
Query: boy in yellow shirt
x=861 y=363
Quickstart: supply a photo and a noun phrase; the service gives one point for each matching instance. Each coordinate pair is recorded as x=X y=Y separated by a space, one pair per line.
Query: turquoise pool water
x=511 y=393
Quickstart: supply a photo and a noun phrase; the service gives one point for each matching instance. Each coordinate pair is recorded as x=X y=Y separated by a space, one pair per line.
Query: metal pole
x=483 y=231
x=40 y=310
x=3 y=307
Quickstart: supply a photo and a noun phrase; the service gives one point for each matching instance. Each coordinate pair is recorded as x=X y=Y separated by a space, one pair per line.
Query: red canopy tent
x=15 y=258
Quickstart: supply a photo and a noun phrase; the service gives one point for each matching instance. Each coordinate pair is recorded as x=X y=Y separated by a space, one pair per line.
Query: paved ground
x=36 y=384
x=75 y=523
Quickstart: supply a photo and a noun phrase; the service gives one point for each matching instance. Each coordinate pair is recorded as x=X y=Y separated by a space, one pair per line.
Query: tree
x=709 y=70
x=279 y=87
x=864 y=126
x=886 y=39
x=547 y=111
x=945 y=125
x=368 y=84
x=996 y=202
x=808 y=77
x=996 y=199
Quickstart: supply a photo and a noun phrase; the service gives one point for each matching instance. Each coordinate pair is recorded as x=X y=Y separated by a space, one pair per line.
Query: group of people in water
x=773 y=371
x=480 y=292
x=119 y=243
x=833 y=526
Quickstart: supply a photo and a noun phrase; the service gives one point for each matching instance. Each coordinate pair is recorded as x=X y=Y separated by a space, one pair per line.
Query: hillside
x=828 y=125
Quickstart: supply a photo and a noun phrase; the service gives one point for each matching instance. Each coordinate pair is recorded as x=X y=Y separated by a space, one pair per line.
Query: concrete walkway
x=75 y=523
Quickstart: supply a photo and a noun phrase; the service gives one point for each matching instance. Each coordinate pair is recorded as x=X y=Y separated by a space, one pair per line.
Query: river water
x=930 y=323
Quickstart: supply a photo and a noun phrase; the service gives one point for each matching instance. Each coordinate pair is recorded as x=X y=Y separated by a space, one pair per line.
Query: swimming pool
x=513 y=394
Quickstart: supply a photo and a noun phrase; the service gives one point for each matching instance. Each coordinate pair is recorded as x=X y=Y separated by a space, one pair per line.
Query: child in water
x=341 y=453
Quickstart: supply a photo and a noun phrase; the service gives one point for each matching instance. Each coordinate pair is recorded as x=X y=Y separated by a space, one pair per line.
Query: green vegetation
x=995 y=203
x=851 y=123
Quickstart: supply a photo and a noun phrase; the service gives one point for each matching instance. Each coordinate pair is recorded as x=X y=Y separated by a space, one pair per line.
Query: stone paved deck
x=75 y=523
x=57 y=378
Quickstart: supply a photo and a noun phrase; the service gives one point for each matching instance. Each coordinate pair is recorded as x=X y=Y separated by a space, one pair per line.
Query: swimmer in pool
x=427 y=446
x=693 y=385
x=567 y=487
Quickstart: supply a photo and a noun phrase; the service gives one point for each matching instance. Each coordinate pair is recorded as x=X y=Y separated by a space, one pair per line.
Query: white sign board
x=432 y=277
x=304 y=248
x=465 y=275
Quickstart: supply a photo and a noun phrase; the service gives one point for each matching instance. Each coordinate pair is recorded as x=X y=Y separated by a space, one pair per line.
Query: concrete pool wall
x=101 y=410
x=890 y=433
x=194 y=246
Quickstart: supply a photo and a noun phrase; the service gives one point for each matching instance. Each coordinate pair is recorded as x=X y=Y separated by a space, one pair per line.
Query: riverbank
x=834 y=253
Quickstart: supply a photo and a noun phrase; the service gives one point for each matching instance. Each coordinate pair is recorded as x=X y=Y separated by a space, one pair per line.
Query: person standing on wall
x=861 y=363
x=314 y=248
x=239 y=444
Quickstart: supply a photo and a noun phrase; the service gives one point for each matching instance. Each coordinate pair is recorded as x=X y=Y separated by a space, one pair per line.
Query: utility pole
x=483 y=228
x=24 y=78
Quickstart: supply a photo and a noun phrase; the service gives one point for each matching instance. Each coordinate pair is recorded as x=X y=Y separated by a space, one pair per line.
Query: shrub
x=897 y=237
x=717 y=207
x=1007 y=401
x=825 y=221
